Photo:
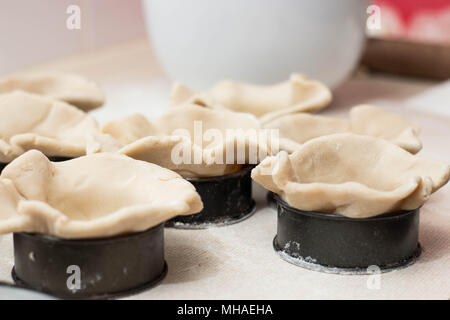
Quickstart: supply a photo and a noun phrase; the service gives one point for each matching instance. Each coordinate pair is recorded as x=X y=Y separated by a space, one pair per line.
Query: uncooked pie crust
x=73 y=89
x=296 y=129
x=30 y=121
x=298 y=94
x=178 y=132
x=353 y=175
x=100 y=195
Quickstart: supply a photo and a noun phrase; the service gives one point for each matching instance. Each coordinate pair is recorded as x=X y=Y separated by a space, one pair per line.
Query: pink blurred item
x=418 y=20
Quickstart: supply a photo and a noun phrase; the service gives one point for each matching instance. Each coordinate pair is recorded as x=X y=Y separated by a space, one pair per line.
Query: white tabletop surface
x=238 y=261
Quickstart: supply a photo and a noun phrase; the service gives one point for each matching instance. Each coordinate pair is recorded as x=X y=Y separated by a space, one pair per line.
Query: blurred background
x=32 y=31
x=35 y=31
x=139 y=46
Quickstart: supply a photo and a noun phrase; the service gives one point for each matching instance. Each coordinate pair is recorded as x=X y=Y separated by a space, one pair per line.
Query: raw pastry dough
x=296 y=129
x=266 y=102
x=176 y=133
x=94 y=196
x=353 y=175
x=30 y=121
x=71 y=88
x=373 y=121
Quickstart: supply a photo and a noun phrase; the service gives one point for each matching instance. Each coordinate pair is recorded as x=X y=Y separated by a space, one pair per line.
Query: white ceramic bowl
x=200 y=42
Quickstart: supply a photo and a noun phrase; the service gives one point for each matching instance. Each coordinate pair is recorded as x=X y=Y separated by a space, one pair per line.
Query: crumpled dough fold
x=353 y=175
x=298 y=94
x=175 y=134
x=71 y=88
x=296 y=129
x=376 y=122
x=94 y=196
x=30 y=121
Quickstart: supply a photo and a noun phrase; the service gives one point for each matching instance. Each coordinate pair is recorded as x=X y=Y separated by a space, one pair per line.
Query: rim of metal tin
x=59 y=158
x=245 y=168
x=304 y=263
x=120 y=237
x=208 y=225
x=333 y=216
x=270 y=199
x=51 y=158
x=6 y=284
x=106 y=296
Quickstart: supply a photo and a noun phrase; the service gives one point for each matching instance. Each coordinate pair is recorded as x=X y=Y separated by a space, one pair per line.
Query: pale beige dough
x=30 y=121
x=373 y=121
x=353 y=175
x=296 y=129
x=176 y=133
x=93 y=196
x=73 y=89
x=298 y=94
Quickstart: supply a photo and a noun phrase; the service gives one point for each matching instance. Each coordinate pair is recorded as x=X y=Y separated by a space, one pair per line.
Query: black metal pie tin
x=226 y=200
x=337 y=244
x=107 y=268
x=53 y=159
x=271 y=200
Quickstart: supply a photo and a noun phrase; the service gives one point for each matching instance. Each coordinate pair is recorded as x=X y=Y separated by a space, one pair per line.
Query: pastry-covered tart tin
x=90 y=268
x=337 y=244
x=226 y=200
